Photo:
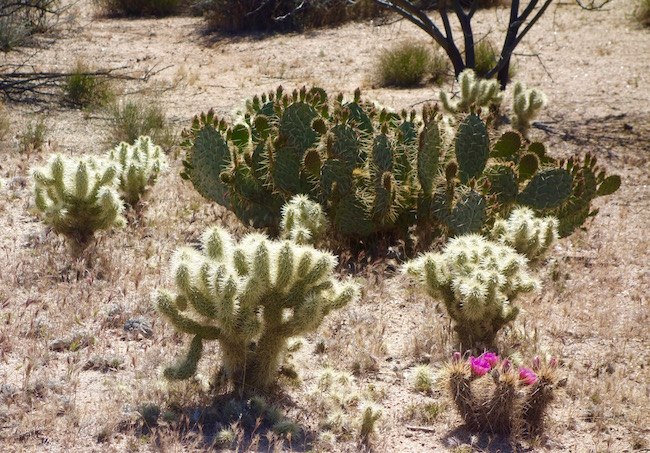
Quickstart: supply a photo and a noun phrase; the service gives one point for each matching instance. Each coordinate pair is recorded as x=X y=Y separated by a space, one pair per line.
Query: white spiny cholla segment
x=141 y=164
x=526 y=233
x=303 y=220
x=526 y=106
x=473 y=91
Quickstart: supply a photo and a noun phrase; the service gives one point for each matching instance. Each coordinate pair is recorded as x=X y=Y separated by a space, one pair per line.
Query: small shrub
x=138 y=7
x=485 y=57
x=84 y=89
x=5 y=122
x=405 y=65
x=642 y=12
x=132 y=119
x=20 y=20
x=33 y=138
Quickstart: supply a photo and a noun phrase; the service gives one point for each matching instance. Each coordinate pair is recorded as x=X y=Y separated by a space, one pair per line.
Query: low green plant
x=250 y=296
x=477 y=280
x=134 y=118
x=405 y=64
x=494 y=396
x=132 y=8
x=33 y=137
x=642 y=12
x=486 y=57
x=83 y=88
x=423 y=379
x=78 y=196
x=140 y=166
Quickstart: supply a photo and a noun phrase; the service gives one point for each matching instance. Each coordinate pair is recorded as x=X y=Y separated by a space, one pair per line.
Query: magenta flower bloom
x=456 y=357
x=479 y=365
x=527 y=376
x=491 y=358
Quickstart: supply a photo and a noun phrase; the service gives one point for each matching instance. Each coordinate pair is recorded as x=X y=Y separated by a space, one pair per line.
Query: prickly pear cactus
x=251 y=296
x=79 y=196
x=473 y=91
x=140 y=164
x=529 y=235
x=477 y=279
x=303 y=220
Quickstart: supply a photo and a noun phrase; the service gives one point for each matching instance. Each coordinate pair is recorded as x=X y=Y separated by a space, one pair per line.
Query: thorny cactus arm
x=78 y=196
x=141 y=164
x=526 y=105
x=251 y=296
x=526 y=233
x=473 y=91
x=477 y=279
x=303 y=220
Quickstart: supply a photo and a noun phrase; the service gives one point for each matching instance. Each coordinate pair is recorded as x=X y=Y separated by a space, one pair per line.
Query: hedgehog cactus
x=251 y=297
x=493 y=396
x=526 y=105
x=303 y=220
x=79 y=196
x=477 y=280
x=529 y=235
x=141 y=164
x=473 y=91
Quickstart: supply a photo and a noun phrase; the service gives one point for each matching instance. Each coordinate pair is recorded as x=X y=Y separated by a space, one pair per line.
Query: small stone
x=138 y=328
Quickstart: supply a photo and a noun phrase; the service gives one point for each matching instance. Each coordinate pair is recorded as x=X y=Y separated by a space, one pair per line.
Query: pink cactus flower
x=456 y=357
x=527 y=376
x=506 y=365
x=536 y=363
x=553 y=363
x=479 y=365
x=491 y=358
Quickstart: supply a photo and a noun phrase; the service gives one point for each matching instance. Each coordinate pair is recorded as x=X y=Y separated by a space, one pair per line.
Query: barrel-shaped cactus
x=250 y=296
x=140 y=164
x=494 y=396
x=78 y=196
x=477 y=279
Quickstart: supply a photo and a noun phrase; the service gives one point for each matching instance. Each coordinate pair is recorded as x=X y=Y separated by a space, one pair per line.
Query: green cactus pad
x=359 y=117
x=503 y=183
x=428 y=156
x=209 y=156
x=609 y=185
x=285 y=171
x=345 y=144
x=472 y=147
x=339 y=172
x=382 y=155
x=528 y=165
x=352 y=218
x=468 y=216
x=295 y=126
x=507 y=145
x=547 y=190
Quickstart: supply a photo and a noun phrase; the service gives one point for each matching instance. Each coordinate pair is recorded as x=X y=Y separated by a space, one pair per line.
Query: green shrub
x=33 y=137
x=84 y=89
x=485 y=57
x=132 y=119
x=408 y=63
x=19 y=20
x=139 y=7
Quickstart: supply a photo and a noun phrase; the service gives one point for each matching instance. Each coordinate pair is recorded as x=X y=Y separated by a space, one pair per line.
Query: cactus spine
x=477 y=280
x=77 y=197
x=251 y=297
x=141 y=164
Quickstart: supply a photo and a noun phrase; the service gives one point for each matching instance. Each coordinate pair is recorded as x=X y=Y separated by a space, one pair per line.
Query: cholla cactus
x=473 y=91
x=303 y=220
x=529 y=235
x=251 y=296
x=494 y=396
x=141 y=164
x=526 y=105
x=78 y=196
x=477 y=279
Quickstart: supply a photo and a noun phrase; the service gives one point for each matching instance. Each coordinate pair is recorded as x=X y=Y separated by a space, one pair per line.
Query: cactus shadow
x=484 y=441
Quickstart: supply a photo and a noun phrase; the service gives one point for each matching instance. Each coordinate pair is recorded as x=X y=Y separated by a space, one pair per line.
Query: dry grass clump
x=137 y=117
x=408 y=63
x=33 y=137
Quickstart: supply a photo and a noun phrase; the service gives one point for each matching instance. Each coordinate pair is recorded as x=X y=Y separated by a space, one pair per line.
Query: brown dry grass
x=592 y=312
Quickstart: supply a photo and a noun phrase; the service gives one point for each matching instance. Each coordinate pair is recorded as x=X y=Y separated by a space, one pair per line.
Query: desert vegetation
x=250 y=242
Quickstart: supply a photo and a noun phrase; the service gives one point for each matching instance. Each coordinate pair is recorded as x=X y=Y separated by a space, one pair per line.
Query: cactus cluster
x=526 y=105
x=77 y=197
x=141 y=164
x=303 y=220
x=250 y=296
x=371 y=170
x=477 y=279
x=527 y=234
x=474 y=91
x=494 y=396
